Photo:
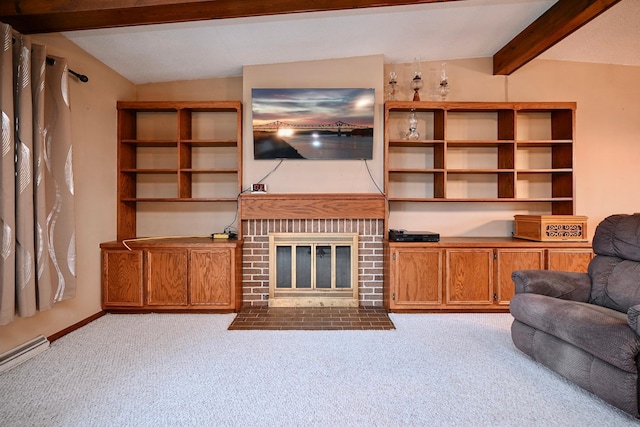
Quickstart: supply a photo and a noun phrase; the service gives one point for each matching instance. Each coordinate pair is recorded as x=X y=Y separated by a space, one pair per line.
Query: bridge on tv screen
x=338 y=126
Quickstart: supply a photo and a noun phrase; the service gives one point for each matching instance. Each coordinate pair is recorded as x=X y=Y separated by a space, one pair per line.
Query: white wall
x=607 y=148
x=607 y=152
x=316 y=176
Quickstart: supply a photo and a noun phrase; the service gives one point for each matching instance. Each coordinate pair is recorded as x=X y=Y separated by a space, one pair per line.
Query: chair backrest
x=615 y=270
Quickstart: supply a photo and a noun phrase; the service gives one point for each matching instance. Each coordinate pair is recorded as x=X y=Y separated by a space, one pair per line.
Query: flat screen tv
x=315 y=124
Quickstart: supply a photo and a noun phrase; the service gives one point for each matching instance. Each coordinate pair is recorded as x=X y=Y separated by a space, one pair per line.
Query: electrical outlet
x=259 y=188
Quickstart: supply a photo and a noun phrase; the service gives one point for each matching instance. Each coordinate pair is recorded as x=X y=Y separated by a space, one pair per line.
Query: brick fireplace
x=262 y=214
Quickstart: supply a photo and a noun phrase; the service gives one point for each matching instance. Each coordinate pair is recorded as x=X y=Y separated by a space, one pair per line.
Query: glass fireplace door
x=309 y=269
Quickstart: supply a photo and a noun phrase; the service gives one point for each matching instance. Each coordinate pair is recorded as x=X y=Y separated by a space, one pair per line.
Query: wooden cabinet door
x=121 y=278
x=510 y=260
x=212 y=277
x=575 y=260
x=166 y=277
x=416 y=278
x=469 y=277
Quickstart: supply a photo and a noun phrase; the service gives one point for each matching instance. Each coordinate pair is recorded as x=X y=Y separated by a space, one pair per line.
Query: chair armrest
x=557 y=284
x=633 y=318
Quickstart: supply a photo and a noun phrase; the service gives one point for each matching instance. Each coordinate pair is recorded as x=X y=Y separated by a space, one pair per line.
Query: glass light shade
x=413 y=134
x=393 y=86
x=443 y=88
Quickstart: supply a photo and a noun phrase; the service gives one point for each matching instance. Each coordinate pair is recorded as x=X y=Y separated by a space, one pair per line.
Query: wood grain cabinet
x=172 y=274
x=469 y=274
x=510 y=260
x=416 y=277
x=468 y=277
x=121 y=278
x=169 y=153
x=166 y=277
x=212 y=271
x=569 y=259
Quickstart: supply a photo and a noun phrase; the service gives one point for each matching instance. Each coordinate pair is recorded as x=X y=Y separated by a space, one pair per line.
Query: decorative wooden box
x=551 y=228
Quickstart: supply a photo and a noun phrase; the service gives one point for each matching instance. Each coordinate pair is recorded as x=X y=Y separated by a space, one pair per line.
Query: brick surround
x=255 y=254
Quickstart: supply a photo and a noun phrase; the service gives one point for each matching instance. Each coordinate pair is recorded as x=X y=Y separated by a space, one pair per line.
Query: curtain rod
x=80 y=77
x=52 y=61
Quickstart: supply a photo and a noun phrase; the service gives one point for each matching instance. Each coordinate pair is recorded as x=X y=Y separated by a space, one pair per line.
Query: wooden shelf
x=521 y=152
x=416 y=170
x=482 y=200
x=150 y=143
x=525 y=171
x=227 y=170
x=481 y=171
x=478 y=143
x=179 y=200
x=211 y=143
x=186 y=139
x=414 y=143
x=547 y=143
x=150 y=171
x=171 y=106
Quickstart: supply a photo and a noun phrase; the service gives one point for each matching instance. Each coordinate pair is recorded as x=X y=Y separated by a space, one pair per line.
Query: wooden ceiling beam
x=47 y=16
x=562 y=19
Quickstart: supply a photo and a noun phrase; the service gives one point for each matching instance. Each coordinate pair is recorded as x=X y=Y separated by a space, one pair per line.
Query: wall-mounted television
x=315 y=124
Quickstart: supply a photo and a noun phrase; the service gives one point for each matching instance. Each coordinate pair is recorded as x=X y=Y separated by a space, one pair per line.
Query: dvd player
x=413 y=236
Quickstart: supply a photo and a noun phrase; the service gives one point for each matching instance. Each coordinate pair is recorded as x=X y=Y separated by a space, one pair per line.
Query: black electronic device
x=413 y=236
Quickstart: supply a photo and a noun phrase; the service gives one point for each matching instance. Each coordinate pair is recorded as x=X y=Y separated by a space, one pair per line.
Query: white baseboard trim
x=22 y=353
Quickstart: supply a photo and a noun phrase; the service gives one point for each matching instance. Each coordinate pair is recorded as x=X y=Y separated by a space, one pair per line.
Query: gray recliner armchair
x=586 y=326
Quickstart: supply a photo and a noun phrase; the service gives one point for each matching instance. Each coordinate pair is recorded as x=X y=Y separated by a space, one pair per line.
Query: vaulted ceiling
x=163 y=40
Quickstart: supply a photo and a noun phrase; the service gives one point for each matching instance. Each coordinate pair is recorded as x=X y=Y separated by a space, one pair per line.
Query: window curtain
x=37 y=223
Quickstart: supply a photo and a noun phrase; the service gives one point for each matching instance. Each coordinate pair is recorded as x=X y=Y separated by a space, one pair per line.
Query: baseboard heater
x=23 y=353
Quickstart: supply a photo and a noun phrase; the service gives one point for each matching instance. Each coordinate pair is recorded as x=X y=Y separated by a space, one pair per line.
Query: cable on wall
x=386 y=199
x=228 y=228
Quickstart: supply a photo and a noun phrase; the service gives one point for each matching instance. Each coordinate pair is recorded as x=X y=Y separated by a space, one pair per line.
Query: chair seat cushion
x=600 y=331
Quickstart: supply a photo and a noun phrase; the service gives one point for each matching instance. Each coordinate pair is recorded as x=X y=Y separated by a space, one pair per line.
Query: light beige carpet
x=189 y=370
